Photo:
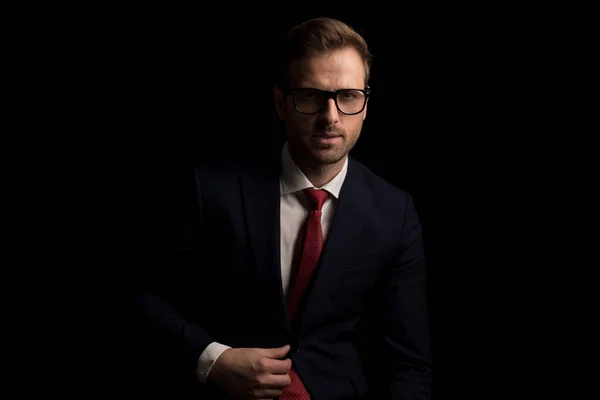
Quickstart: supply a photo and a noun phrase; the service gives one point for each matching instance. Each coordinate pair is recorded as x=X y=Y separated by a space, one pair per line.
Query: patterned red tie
x=308 y=254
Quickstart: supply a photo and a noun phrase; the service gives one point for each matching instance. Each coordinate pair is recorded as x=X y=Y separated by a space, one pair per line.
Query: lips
x=327 y=140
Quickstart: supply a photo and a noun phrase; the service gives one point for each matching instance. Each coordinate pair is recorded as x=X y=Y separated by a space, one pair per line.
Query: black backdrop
x=173 y=89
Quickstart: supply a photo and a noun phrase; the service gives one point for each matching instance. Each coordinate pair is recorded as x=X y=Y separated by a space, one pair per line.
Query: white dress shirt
x=294 y=208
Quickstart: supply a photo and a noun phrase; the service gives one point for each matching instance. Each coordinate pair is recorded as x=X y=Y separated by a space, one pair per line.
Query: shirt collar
x=293 y=179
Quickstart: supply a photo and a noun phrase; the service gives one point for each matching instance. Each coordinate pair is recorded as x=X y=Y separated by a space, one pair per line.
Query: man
x=304 y=279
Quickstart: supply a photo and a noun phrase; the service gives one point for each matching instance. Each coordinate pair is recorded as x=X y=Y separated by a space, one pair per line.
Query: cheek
x=353 y=128
x=290 y=109
x=299 y=124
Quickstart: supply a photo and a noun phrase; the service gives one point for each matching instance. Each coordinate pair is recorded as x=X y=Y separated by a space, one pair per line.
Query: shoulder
x=228 y=169
x=218 y=170
x=389 y=209
x=225 y=178
x=382 y=192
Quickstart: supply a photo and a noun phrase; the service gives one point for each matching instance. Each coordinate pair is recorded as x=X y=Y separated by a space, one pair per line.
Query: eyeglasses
x=312 y=101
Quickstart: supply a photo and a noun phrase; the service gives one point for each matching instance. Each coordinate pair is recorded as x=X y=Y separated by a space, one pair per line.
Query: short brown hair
x=320 y=35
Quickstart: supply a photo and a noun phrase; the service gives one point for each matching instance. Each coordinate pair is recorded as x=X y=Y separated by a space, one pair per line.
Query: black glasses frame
x=328 y=95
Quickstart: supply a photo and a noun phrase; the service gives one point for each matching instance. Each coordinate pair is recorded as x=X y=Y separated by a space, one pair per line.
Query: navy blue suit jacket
x=363 y=330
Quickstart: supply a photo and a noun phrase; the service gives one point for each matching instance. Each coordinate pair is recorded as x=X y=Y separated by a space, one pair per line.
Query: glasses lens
x=351 y=101
x=312 y=101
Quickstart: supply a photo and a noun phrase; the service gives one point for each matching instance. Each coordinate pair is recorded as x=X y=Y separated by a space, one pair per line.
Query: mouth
x=327 y=136
x=326 y=139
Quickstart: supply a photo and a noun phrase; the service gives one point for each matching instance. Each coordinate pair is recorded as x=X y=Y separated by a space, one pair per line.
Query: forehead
x=333 y=70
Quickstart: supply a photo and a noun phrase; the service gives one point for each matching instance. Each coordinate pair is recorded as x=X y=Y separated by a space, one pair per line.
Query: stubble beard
x=314 y=155
x=327 y=154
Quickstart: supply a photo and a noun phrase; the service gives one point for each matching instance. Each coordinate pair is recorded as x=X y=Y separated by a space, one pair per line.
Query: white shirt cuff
x=208 y=358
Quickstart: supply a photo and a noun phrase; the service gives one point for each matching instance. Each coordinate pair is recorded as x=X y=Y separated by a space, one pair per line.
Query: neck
x=318 y=174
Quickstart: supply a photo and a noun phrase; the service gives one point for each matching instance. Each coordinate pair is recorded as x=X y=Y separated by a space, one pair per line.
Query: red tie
x=308 y=254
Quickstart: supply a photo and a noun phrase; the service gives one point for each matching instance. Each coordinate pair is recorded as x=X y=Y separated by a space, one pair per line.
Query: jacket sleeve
x=406 y=336
x=155 y=300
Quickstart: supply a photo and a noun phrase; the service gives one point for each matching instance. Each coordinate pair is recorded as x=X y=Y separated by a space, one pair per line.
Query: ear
x=279 y=100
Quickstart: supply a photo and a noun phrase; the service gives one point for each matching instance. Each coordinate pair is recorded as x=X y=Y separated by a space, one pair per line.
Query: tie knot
x=316 y=197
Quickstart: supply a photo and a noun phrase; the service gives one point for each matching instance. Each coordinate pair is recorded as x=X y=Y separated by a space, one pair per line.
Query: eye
x=306 y=95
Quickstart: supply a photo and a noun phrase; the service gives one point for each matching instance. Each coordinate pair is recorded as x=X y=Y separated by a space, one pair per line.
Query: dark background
x=455 y=96
x=480 y=111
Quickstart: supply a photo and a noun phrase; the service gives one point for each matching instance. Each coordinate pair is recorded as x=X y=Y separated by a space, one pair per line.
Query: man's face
x=325 y=137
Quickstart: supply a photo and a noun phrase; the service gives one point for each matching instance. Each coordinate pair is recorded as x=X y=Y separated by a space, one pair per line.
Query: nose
x=330 y=112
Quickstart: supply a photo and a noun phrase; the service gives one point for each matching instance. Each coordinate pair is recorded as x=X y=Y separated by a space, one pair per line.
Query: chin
x=319 y=154
x=327 y=155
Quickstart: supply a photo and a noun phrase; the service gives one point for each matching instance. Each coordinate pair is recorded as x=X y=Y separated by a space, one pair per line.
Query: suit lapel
x=261 y=196
x=342 y=239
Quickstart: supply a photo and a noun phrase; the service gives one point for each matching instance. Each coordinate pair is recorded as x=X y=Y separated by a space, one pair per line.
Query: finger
x=272 y=366
x=270 y=381
x=278 y=352
x=268 y=393
x=281 y=366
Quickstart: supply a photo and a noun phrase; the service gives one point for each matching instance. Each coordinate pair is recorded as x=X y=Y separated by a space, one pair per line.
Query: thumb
x=278 y=352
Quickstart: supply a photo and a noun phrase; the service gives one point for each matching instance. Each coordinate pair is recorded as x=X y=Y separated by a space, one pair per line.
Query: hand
x=252 y=373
